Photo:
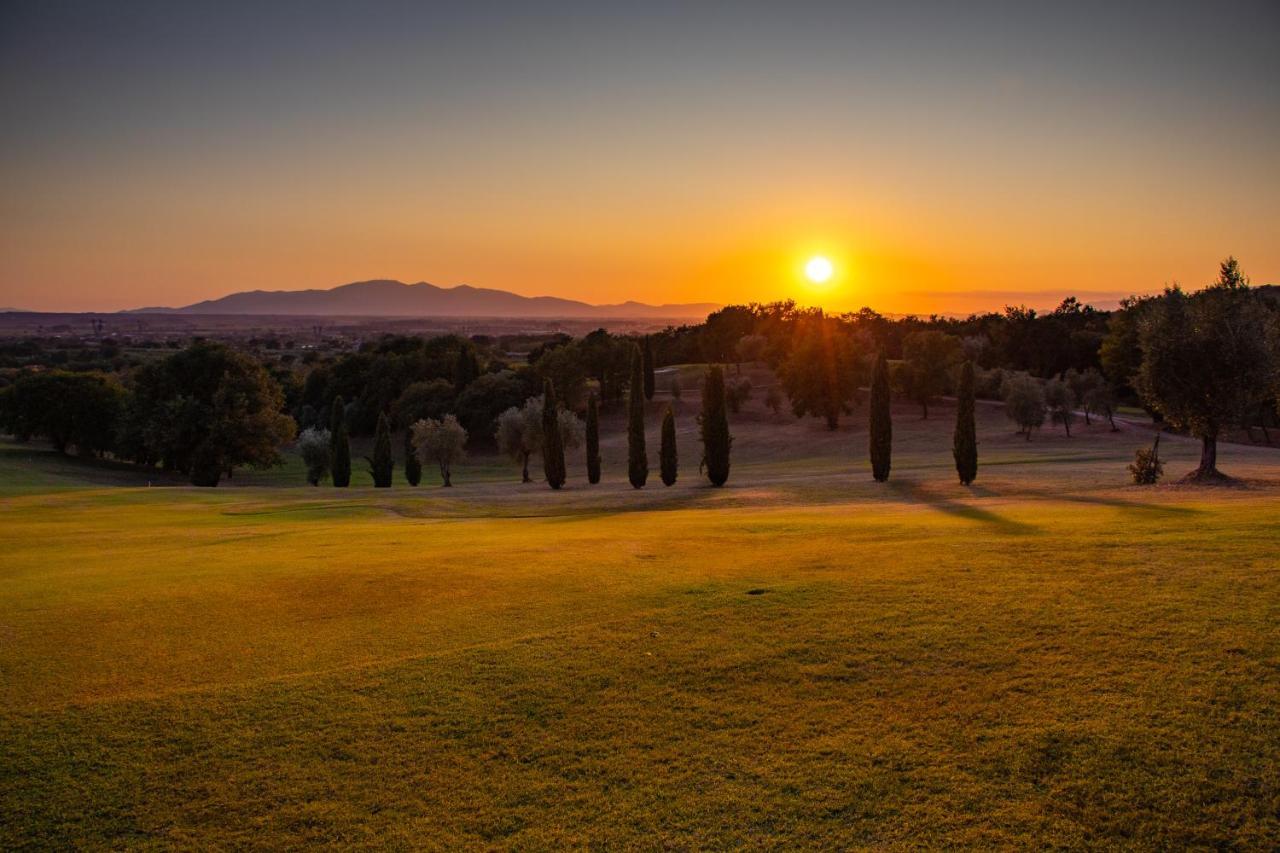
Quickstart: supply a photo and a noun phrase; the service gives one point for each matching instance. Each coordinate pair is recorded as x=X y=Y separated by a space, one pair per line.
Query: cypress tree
x=412 y=465
x=552 y=443
x=880 y=438
x=647 y=353
x=593 y=439
x=382 y=464
x=339 y=444
x=667 y=452
x=714 y=421
x=637 y=460
x=965 y=443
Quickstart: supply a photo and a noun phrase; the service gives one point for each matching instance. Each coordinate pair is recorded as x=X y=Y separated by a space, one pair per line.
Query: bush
x=1146 y=467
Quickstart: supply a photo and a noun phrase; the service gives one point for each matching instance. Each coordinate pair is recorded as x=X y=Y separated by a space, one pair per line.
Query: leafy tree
x=81 y=410
x=1024 y=403
x=382 y=463
x=1207 y=362
x=313 y=447
x=593 y=440
x=964 y=444
x=722 y=331
x=479 y=406
x=552 y=447
x=820 y=375
x=1120 y=352
x=646 y=352
x=1101 y=399
x=565 y=367
x=607 y=359
x=442 y=442
x=752 y=348
x=880 y=436
x=714 y=426
x=773 y=399
x=667 y=453
x=206 y=410
x=1061 y=403
x=339 y=445
x=412 y=465
x=422 y=400
x=520 y=432
x=1083 y=383
x=637 y=460
x=929 y=356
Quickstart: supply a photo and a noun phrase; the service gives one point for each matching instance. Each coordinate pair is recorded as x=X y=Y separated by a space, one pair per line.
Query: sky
x=944 y=156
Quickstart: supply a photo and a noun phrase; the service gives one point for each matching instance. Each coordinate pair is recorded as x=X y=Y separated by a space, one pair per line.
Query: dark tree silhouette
x=714 y=424
x=637 y=460
x=880 y=438
x=339 y=444
x=412 y=465
x=647 y=353
x=667 y=452
x=382 y=464
x=964 y=445
x=552 y=443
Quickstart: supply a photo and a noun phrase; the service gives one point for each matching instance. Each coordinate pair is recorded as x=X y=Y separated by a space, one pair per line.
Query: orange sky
x=657 y=158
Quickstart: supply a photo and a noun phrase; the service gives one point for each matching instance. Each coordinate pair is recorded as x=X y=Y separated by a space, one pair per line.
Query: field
x=1051 y=658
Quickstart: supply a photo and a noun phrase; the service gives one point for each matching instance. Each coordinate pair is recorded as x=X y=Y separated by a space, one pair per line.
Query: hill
x=388 y=298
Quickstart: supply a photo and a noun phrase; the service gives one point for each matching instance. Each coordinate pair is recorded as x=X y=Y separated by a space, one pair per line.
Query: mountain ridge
x=391 y=298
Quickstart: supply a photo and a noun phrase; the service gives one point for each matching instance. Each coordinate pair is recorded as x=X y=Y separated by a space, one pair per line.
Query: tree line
x=1202 y=362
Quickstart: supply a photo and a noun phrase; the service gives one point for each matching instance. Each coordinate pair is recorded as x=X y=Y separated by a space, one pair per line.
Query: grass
x=803 y=659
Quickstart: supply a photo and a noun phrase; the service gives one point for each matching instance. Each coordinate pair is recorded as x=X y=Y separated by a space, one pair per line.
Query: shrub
x=1146 y=467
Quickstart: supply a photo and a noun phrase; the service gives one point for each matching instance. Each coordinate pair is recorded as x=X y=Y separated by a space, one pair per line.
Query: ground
x=1052 y=657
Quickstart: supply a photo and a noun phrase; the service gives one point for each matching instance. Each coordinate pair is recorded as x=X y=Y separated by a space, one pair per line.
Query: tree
x=466 y=368
x=520 y=432
x=422 y=400
x=929 y=356
x=1146 y=467
x=206 y=410
x=1206 y=360
x=880 y=436
x=382 y=464
x=1024 y=403
x=1082 y=384
x=412 y=466
x=593 y=440
x=552 y=446
x=737 y=394
x=964 y=445
x=773 y=399
x=821 y=376
x=637 y=460
x=313 y=447
x=667 y=452
x=80 y=410
x=1101 y=399
x=646 y=352
x=752 y=348
x=567 y=370
x=478 y=407
x=442 y=442
x=714 y=426
x=1061 y=403
x=339 y=445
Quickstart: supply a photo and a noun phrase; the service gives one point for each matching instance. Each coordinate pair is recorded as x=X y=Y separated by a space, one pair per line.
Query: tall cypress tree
x=647 y=353
x=637 y=460
x=339 y=444
x=714 y=421
x=593 y=439
x=667 y=459
x=412 y=466
x=552 y=443
x=965 y=444
x=382 y=464
x=880 y=438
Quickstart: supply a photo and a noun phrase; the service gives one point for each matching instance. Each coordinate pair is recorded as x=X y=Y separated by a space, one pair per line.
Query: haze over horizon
x=164 y=155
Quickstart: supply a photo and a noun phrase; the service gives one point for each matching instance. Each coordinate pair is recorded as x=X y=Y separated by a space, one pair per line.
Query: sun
x=818 y=269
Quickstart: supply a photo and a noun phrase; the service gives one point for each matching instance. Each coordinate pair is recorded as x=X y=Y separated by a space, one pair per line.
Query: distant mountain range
x=386 y=298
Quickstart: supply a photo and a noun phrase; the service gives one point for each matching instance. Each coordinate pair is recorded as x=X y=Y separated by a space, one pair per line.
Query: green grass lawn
x=803 y=659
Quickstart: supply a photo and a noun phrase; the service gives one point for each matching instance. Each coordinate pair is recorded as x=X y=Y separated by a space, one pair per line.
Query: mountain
x=386 y=298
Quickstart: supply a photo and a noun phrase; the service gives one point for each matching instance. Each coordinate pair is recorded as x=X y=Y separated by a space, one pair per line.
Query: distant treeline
x=206 y=408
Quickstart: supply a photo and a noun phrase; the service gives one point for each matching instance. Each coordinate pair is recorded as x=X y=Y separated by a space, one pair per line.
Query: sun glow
x=818 y=270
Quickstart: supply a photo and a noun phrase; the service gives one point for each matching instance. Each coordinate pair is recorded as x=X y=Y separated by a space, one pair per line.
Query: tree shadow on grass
x=913 y=492
x=1169 y=510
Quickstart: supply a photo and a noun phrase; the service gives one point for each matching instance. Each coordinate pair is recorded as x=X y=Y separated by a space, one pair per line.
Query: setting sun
x=818 y=270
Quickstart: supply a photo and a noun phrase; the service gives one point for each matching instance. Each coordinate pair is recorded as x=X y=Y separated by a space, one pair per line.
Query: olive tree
x=313 y=447
x=442 y=442
x=1024 y=402
x=520 y=432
